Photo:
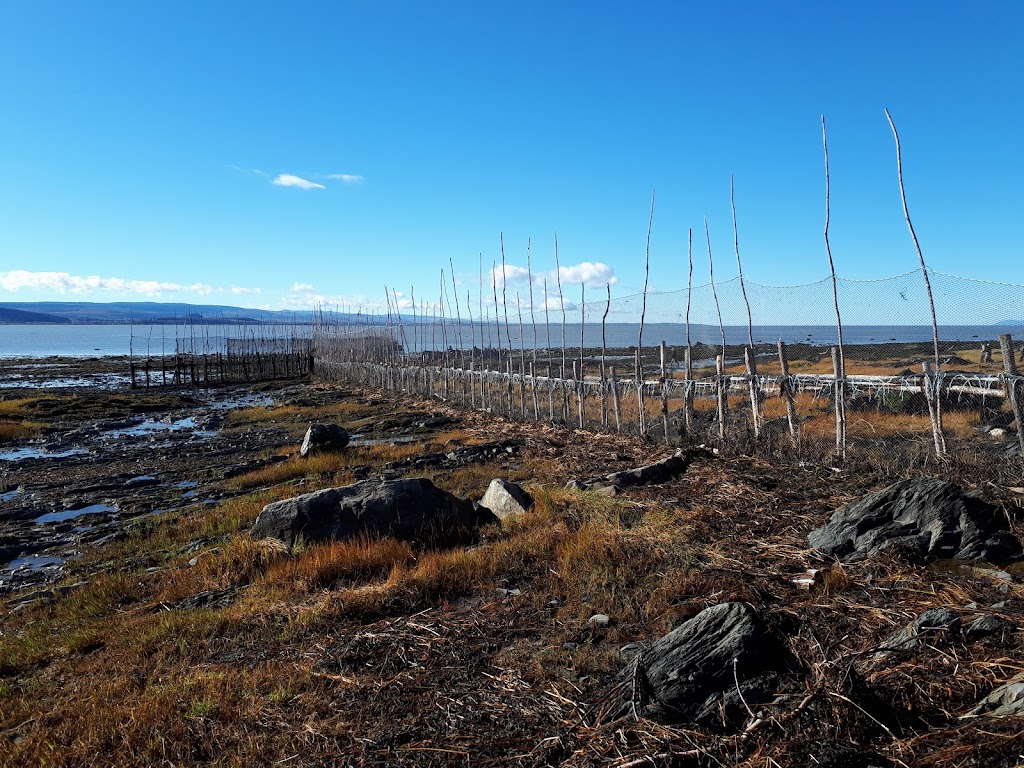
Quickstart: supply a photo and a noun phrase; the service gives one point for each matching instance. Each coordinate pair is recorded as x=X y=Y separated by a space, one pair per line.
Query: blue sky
x=142 y=143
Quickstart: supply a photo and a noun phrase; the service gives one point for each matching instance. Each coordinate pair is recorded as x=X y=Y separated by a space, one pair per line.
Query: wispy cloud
x=290 y=180
x=347 y=178
x=256 y=171
x=65 y=282
x=238 y=290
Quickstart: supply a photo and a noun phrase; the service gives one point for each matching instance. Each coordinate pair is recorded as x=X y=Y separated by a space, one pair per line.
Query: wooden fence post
x=754 y=388
x=723 y=395
x=1011 y=378
x=615 y=400
x=787 y=389
x=664 y=392
x=840 y=401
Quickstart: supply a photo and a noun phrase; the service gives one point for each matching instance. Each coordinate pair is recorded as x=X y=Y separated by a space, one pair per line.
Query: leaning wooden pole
x=840 y=360
x=753 y=383
x=551 y=379
x=688 y=389
x=604 y=350
x=935 y=383
x=581 y=381
x=640 y=336
x=723 y=380
x=561 y=301
x=533 y=322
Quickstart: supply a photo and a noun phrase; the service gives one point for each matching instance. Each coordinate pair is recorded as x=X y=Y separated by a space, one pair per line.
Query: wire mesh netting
x=784 y=379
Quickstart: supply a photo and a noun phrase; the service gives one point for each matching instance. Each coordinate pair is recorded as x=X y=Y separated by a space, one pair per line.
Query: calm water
x=36 y=341
x=108 y=340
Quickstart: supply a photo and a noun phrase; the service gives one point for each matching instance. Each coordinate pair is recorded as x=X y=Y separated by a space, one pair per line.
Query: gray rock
x=932 y=622
x=1007 y=699
x=690 y=675
x=599 y=620
x=411 y=510
x=506 y=499
x=324 y=437
x=930 y=518
x=986 y=626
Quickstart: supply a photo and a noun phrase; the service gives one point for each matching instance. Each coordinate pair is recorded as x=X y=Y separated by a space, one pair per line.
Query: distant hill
x=141 y=312
x=1010 y=322
x=24 y=317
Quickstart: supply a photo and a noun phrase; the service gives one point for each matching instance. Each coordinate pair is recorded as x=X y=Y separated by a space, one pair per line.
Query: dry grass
x=321 y=465
x=370 y=652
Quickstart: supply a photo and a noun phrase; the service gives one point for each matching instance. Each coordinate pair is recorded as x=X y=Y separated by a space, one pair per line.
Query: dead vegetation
x=193 y=644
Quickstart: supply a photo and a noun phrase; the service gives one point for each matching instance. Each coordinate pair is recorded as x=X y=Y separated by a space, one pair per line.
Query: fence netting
x=701 y=371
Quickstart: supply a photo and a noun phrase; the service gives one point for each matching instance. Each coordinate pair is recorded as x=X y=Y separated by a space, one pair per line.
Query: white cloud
x=65 y=282
x=347 y=178
x=591 y=274
x=245 y=291
x=290 y=180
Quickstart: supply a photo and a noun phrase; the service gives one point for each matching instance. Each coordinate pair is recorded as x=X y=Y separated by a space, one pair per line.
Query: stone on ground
x=410 y=510
x=506 y=499
x=696 y=672
x=323 y=437
x=929 y=518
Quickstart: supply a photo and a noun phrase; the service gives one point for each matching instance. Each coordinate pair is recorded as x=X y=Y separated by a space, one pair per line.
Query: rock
x=323 y=437
x=506 y=499
x=929 y=518
x=998 y=433
x=599 y=620
x=691 y=675
x=985 y=626
x=932 y=622
x=1007 y=699
x=411 y=510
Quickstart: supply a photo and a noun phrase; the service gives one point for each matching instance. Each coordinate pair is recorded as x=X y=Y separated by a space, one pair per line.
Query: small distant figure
x=986 y=352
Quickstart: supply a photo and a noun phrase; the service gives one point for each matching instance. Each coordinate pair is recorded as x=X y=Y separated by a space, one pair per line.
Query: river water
x=37 y=341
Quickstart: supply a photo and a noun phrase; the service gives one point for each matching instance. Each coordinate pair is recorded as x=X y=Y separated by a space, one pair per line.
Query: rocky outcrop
x=712 y=666
x=324 y=437
x=928 y=519
x=1007 y=699
x=411 y=510
x=506 y=499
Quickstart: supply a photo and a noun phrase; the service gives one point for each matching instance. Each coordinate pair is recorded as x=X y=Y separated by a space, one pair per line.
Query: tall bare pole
x=604 y=350
x=640 y=336
x=561 y=301
x=458 y=315
x=533 y=322
x=840 y=360
x=547 y=327
x=580 y=383
x=688 y=392
x=752 y=380
x=522 y=359
x=937 y=434
x=723 y=384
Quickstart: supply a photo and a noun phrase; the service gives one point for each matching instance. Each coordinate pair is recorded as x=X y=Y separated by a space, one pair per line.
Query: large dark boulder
x=696 y=672
x=411 y=510
x=324 y=437
x=929 y=519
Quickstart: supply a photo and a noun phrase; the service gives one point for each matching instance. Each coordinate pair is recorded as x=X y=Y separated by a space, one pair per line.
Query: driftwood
x=658 y=472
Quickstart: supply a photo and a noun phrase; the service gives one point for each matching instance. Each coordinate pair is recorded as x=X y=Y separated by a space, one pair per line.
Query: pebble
x=599 y=620
x=508 y=592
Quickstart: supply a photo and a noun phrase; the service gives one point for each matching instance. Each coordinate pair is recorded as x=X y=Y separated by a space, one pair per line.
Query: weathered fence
x=734 y=385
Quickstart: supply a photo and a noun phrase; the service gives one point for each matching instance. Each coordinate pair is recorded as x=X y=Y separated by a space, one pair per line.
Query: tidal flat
x=141 y=624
